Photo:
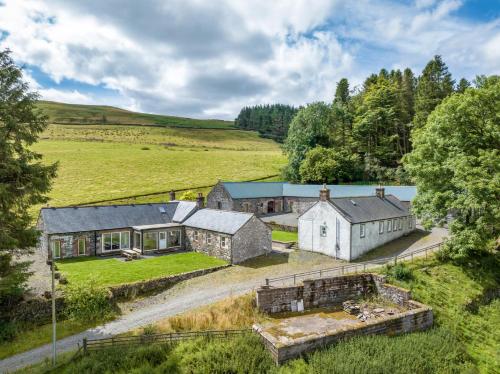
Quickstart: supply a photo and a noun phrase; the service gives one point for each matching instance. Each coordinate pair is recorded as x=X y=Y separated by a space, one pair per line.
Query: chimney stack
x=172 y=195
x=324 y=194
x=380 y=192
x=200 y=200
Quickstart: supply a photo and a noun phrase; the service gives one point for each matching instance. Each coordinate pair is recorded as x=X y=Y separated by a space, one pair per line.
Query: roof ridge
x=104 y=206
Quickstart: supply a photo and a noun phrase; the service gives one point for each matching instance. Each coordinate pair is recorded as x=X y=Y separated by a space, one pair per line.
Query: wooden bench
x=130 y=254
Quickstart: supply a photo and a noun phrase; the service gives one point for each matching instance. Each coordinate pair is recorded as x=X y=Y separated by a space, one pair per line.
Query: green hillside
x=102 y=114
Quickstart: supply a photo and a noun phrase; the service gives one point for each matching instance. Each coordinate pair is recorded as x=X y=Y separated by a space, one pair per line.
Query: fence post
x=412 y=256
x=294 y=279
x=85 y=345
x=267 y=281
x=342 y=269
x=364 y=267
x=320 y=273
x=395 y=260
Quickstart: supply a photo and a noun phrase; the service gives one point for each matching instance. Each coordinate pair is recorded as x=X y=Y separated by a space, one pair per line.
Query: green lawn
x=113 y=271
x=285 y=236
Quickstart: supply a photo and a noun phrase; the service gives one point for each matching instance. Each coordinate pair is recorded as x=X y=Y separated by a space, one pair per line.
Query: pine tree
x=463 y=84
x=433 y=86
x=24 y=179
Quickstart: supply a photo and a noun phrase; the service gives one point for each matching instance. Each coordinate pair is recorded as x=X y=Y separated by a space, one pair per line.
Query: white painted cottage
x=348 y=227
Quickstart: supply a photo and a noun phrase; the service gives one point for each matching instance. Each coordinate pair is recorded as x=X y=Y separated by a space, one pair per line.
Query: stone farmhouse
x=262 y=198
x=152 y=228
x=348 y=227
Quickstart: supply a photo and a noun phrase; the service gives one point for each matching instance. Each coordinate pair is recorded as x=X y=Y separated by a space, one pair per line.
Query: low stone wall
x=37 y=311
x=276 y=226
x=417 y=319
x=397 y=295
x=131 y=290
x=281 y=245
x=318 y=293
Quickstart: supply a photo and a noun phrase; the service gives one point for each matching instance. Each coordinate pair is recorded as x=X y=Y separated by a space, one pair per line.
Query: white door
x=163 y=240
x=306 y=240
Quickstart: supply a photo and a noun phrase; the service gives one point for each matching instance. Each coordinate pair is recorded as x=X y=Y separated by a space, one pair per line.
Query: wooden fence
x=127 y=341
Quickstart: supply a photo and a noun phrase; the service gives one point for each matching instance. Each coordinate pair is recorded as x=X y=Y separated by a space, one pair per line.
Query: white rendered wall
x=373 y=238
x=310 y=239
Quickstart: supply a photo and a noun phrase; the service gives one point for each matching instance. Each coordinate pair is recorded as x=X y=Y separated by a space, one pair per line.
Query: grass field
x=102 y=114
x=112 y=271
x=285 y=236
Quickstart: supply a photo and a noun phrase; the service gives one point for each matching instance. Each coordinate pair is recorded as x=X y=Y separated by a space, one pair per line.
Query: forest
x=365 y=132
x=271 y=121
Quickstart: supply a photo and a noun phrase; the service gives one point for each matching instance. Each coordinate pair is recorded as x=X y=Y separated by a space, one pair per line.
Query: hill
x=62 y=113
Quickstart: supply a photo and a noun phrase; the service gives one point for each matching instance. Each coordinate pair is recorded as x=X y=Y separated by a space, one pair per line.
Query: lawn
x=91 y=170
x=285 y=236
x=102 y=114
x=113 y=271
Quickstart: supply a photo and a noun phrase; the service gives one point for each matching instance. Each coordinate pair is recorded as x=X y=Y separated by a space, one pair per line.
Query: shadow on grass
x=395 y=247
x=273 y=258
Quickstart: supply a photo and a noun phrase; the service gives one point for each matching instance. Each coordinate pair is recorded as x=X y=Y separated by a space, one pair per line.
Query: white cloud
x=209 y=59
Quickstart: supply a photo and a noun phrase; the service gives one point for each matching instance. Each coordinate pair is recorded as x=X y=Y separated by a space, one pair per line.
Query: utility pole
x=53 y=313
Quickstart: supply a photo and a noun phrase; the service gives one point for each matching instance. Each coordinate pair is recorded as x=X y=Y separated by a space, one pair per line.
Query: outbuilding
x=228 y=235
x=348 y=227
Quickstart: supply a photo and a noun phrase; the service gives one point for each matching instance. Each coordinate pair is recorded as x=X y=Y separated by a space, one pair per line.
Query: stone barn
x=231 y=236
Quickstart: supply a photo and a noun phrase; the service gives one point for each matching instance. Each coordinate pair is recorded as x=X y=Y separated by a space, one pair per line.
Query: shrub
x=399 y=272
x=8 y=331
x=145 y=148
x=188 y=195
x=87 y=301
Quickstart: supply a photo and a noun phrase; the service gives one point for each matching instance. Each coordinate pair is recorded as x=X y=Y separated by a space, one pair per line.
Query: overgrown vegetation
x=112 y=271
x=400 y=271
x=87 y=301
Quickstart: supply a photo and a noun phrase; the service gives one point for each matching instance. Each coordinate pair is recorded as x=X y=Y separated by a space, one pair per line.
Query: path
x=207 y=289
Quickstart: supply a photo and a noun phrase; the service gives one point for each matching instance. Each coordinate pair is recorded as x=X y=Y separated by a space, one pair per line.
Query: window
x=113 y=241
x=209 y=238
x=290 y=206
x=322 y=230
x=174 y=238
x=410 y=222
x=381 y=227
x=81 y=247
x=195 y=235
x=125 y=240
x=150 y=240
x=163 y=240
x=246 y=207
x=56 y=248
x=394 y=224
x=224 y=242
x=389 y=226
x=400 y=224
x=137 y=240
x=362 y=230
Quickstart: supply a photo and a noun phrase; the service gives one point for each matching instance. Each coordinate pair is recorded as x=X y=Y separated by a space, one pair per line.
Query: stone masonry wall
x=69 y=243
x=327 y=292
x=252 y=240
x=219 y=194
x=214 y=248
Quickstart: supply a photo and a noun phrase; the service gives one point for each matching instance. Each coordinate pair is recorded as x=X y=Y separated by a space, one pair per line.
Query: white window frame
x=394 y=224
x=323 y=230
x=52 y=248
x=389 y=225
x=209 y=238
x=380 y=227
x=195 y=235
x=82 y=240
x=169 y=233
x=410 y=222
x=122 y=234
x=164 y=233
x=121 y=246
x=400 y=224
x=362 y=230
x=224 y=242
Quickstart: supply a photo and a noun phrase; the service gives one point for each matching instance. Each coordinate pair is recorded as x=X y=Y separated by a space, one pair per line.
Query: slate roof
x=241 y=190
x=223 y=221
x=74 y=219
x=370 y=208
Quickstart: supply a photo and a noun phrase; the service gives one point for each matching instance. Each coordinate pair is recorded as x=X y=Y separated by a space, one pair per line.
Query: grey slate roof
x=370 y=208
x=240 y=190
x=223 y=221
x=184 y=210
x=74 y=219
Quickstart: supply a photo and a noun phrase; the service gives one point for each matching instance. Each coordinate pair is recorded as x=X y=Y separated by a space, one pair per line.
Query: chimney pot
x=324 y=194
x=200 y=200
x=380 y=192
x=172 y=195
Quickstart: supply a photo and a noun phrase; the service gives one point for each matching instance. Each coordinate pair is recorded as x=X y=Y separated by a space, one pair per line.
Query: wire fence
x=127 y=341
x=293 y=279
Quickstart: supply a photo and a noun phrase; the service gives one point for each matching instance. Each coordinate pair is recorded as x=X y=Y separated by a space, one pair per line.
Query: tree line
x=271 y=121
x=363 y=134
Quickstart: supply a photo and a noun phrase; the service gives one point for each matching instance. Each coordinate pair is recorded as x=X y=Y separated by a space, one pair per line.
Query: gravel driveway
x=235 y=280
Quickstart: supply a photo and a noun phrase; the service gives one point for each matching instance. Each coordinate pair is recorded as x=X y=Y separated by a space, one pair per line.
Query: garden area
x=285 y=236
x=114 y=271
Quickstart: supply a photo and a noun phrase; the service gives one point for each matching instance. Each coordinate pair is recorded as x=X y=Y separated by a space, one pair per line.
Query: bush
x=87 y=301
x=188 y=195
x=399 y=272
x=8 y=331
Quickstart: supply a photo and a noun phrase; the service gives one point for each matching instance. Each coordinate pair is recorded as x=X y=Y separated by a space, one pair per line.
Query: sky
x=208 y=59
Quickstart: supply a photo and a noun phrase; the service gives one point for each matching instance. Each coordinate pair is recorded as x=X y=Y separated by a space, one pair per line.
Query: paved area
x=285 y=219
x=39 y=282
x=207 y=289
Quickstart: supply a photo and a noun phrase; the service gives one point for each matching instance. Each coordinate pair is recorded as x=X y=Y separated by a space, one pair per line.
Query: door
x=163 y=240
x=137 y=240
x=270 y=206
x=56 y=249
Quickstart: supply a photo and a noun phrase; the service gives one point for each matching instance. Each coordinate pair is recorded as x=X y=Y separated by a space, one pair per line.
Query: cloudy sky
x=207 y=59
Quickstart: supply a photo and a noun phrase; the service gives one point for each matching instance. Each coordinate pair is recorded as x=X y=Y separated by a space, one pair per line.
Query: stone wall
x=318 y=293
x=37 y=311
x=252 y=240
x=131 y=290
x=219 y=194
x=418 y=318
x=69 y=243
x=214 y=248
x=299 y=204
x=395 y=294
